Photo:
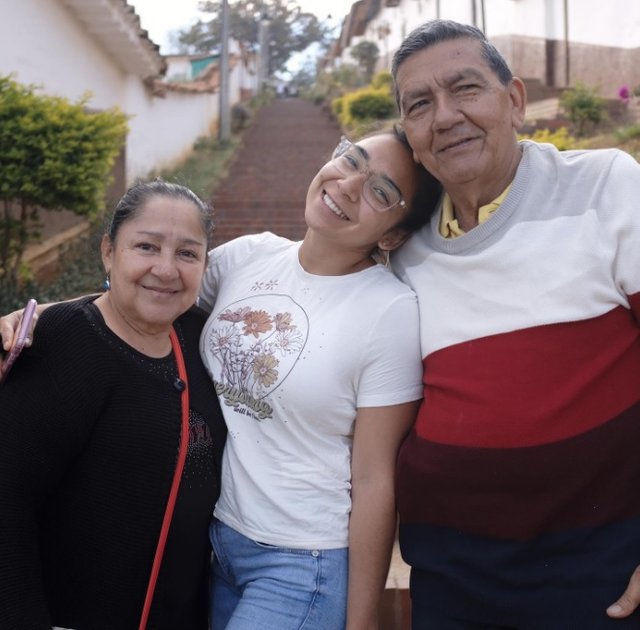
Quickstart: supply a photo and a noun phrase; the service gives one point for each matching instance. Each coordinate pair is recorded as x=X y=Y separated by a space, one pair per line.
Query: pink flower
x=624 y=94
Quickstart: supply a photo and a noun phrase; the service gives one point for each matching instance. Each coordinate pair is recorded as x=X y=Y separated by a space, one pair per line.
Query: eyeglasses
x=378 y=190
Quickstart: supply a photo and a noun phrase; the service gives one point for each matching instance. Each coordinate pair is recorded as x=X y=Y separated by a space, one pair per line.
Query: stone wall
x=606 y=67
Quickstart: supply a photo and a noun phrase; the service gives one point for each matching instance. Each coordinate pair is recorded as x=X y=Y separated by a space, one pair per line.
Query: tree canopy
x=290 y=30
x=366 y=54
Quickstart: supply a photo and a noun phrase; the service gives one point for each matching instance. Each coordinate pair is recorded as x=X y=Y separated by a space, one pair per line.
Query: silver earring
x=106 y=285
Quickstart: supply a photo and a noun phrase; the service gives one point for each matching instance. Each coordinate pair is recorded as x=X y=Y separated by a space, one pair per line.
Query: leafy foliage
x=382 y=79
x=583 y=105
x=53 y=154
x=290 y=29
x=628 y=133
x=366 y=53
x=559 y=138
x=366 y=104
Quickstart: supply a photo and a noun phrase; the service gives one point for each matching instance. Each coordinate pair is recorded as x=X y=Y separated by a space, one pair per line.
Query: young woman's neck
x=321 y=259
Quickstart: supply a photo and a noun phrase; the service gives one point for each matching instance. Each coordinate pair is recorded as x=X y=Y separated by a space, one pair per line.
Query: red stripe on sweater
x=520 y=493
x=532 y=386
x=634 y=300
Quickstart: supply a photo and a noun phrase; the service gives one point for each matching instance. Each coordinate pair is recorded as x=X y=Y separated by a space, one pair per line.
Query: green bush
x=337 y=106
x=365 y=105
x=584 y=107
x=53 y=154
x=372 y=104
x=559 y=138
x=382 y=79
x=628 y=133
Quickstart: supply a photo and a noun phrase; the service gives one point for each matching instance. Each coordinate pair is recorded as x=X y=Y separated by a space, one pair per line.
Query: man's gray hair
x=437 y=31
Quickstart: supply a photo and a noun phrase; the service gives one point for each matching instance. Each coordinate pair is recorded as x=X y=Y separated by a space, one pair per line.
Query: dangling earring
x=387 y=256
x=383 y=252
x=106 y=285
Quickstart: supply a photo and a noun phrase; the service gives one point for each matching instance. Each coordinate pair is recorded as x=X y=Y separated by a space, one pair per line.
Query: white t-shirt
x=293 y=355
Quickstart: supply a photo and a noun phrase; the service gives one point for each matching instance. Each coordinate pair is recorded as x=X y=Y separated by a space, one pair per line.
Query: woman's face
x=345 y=198
x=156 y=263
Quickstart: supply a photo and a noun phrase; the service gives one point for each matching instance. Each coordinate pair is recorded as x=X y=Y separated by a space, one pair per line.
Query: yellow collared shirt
x=449 y=227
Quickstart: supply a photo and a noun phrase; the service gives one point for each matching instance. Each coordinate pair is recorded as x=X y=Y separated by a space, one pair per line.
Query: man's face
x=459 y=119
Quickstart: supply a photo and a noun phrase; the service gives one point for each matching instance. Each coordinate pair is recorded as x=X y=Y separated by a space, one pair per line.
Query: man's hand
x=629 y=600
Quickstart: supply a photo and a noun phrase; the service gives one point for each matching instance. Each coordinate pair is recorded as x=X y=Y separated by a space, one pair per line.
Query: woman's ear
x=106 y=251
x=393 y=239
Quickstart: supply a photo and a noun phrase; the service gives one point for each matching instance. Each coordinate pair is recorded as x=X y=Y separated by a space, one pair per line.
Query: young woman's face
x=156 y=262
x=363 y=192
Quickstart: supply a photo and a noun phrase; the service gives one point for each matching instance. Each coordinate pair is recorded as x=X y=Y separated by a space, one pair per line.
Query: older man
x=519 y=488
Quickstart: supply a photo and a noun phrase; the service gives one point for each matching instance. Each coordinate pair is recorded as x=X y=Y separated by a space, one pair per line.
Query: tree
x=54 y=154
x=366 y=54
x=290 y=29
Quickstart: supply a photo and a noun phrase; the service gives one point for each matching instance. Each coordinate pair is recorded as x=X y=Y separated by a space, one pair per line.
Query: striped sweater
x=525 y=454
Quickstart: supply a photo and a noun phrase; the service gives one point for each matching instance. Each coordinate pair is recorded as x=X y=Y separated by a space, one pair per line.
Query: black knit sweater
x=89 y=439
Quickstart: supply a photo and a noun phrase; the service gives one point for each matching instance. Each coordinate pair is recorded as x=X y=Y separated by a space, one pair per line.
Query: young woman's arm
x=378 y=434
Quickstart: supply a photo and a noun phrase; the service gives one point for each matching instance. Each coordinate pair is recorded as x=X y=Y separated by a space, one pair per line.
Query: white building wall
x=178 y=68
x=42 y=42
x=162 y=130
x=613 y=23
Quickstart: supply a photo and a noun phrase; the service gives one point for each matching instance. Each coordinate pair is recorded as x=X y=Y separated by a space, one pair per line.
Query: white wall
x=614 y=23
x=163 y=130
x=42 y=42
x=603 y=23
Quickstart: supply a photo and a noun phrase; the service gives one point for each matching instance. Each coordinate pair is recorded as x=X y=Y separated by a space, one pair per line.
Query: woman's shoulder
x=252 y=245
x=62 y=315
x=386 y=281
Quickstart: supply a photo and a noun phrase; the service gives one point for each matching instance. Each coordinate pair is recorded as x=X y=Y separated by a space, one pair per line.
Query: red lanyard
x=175 y=484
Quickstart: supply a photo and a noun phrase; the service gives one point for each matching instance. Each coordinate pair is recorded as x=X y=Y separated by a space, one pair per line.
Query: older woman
x=112 y=437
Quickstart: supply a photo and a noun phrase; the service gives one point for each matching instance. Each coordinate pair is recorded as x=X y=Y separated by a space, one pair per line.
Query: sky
x=160 y=17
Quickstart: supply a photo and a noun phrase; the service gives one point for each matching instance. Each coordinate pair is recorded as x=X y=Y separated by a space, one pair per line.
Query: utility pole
x=263 y=44
x=224 y=115
x=567 y=47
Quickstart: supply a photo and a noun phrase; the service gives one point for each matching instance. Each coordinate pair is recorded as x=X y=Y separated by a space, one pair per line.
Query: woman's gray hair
x=141 y=192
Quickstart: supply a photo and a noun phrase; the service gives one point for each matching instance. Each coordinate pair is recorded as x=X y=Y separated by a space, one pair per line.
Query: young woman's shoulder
x=392 y=287
x=251 y=245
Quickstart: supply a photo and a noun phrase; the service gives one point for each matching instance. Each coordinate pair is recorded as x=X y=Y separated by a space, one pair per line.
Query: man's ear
x=393 y=239
x=518 y=97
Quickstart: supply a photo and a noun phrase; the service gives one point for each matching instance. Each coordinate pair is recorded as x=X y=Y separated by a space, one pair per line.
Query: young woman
x=314 y=350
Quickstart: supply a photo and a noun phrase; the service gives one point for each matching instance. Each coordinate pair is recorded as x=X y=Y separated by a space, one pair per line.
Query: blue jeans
x=256 y=585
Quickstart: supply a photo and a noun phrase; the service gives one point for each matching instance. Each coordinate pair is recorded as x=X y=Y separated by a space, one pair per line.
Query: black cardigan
x=89 y=438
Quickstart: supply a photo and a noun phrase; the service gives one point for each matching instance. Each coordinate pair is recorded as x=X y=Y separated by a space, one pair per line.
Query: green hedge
x=54 y=154
x=364 y=105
